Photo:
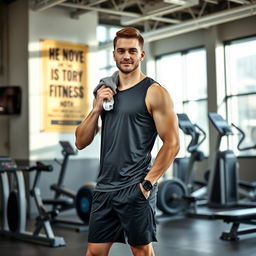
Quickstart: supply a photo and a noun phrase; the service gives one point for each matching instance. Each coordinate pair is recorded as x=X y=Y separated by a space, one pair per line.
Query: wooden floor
x=177 y=237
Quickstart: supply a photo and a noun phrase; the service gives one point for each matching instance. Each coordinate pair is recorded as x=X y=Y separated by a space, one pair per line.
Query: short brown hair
x=129 y=32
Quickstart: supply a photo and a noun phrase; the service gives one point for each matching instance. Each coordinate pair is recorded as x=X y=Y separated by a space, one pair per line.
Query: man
x=125 y=194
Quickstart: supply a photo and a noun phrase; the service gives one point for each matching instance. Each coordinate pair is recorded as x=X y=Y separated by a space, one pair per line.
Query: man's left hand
x=145 y=192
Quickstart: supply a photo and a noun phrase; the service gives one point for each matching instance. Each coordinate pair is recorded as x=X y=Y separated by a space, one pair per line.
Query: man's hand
x=87 y=130
x=104 y=93
x=145 y=192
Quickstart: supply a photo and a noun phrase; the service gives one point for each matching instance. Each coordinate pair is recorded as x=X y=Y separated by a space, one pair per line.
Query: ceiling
x=155 y=16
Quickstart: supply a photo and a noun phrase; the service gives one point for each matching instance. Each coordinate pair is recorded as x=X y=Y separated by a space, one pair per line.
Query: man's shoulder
x=157 y=95
x=156 y=89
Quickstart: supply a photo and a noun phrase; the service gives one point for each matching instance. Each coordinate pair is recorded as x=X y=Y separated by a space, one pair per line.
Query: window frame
x=187 y=101
x=229 y=96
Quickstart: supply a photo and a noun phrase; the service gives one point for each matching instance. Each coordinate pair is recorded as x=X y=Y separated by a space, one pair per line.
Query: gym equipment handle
x=239 y=147
x=40 y=166
x=195 y=143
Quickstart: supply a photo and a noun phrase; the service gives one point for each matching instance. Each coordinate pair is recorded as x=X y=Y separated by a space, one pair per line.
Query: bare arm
x=87 y=130
x=160 y=105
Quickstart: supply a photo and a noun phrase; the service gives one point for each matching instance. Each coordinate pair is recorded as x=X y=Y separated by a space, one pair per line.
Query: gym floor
x=177 y=237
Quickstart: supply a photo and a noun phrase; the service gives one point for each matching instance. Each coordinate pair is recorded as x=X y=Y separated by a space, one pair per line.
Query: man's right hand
x=104 y=93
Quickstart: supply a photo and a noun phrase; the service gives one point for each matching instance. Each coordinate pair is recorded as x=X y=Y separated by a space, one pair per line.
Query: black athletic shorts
x=123 y=214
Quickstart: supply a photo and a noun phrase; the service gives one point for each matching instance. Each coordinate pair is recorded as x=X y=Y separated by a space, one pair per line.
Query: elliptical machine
x=223 y=195
x=14 y=210
x=178 y=194
x=246 y=189
x=184 y=167
x=66 y=199
x=223 y=181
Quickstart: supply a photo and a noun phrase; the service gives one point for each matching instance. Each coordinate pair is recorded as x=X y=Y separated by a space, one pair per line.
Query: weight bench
x=237 y=217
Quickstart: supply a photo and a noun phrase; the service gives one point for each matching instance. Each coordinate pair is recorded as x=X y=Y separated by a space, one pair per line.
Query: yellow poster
x=66 y=94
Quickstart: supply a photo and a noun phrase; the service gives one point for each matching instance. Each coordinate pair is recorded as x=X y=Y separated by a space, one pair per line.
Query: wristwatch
x=147 y=185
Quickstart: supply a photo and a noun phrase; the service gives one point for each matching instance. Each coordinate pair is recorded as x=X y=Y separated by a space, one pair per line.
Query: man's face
x=128 y=54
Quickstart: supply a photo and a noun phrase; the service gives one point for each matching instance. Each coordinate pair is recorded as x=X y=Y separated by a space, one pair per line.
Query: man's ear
x=114 y=57
x=142 y=55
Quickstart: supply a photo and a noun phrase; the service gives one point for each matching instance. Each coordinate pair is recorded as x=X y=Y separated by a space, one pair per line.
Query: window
x=183 y=74
x=106 y=34
x=240 y=65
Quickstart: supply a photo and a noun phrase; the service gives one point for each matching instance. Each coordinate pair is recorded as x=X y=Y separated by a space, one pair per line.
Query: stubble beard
x=119 y=66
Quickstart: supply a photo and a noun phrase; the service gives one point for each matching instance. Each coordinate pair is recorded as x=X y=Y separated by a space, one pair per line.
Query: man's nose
x=126 y=56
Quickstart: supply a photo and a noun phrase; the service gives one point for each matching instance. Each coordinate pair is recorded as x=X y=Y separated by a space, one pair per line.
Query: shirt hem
x=119 y=188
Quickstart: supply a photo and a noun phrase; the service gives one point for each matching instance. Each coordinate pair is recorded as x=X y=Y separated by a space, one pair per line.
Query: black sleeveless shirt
x=128 y=135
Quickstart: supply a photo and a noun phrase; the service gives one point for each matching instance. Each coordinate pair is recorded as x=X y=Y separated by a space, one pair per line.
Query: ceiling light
x=177 y=2
x=212 y=1
x=240 y=1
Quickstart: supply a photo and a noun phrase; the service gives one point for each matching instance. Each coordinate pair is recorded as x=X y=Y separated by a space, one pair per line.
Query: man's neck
x=129 y=80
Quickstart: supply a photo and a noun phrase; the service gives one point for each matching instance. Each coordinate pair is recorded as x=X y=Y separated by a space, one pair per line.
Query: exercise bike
x=182 y=193
x=66 y=199
x=14 y=210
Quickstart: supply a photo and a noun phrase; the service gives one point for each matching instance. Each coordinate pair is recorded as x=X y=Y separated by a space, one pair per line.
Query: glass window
x=112 y=32
x=240 y=59
x=195 y=80
x=101 y=32
x=173 y=80
x=241 y=66
x=106 y=34
x=183 y=74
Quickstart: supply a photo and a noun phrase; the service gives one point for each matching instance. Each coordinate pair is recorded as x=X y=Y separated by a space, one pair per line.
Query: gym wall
x=55 y=24
x=22 y=66
x=4 y=120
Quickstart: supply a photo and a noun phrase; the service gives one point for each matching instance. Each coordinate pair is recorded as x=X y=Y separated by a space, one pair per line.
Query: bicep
x=164 y=117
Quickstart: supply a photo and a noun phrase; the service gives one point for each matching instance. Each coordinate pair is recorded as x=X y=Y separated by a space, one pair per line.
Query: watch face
x=147 y=185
